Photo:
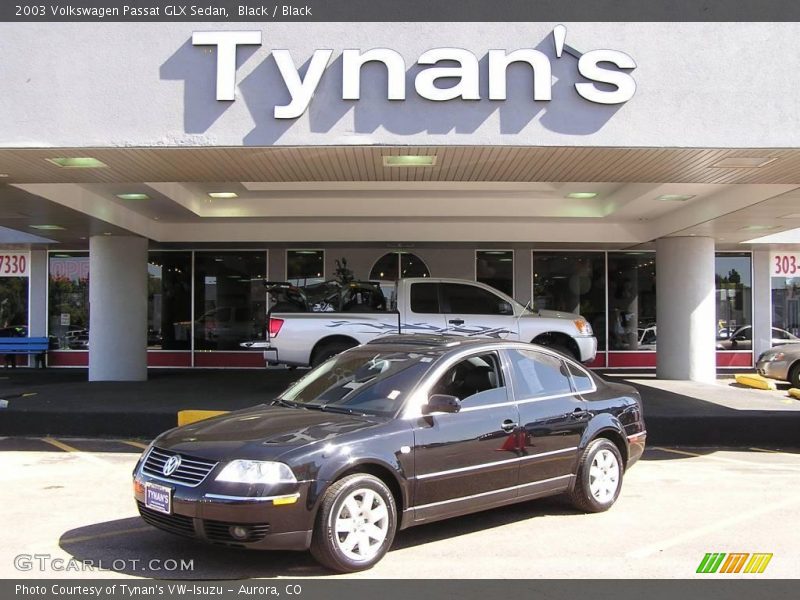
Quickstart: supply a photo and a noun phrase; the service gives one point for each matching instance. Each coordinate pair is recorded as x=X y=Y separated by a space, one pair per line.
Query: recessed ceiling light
x=791 y=216
x=78 y=162
x=133 y=196
x=106 y=233
x=3 y=174
x=675 y=197
x=757 y=227
x=61 y=255
x=223 y=195
x=48 y=227
x=582 y=195
x=410 y=160
x=744 y=162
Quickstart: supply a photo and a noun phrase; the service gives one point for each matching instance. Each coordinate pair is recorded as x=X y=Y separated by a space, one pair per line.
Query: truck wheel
x=325 y=351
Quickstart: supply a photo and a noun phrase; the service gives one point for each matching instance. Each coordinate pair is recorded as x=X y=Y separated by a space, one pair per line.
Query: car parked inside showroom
x=403 y=430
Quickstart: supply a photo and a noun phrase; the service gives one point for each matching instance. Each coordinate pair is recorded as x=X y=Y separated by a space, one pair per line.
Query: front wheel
x=355 y=525
x=599 y=479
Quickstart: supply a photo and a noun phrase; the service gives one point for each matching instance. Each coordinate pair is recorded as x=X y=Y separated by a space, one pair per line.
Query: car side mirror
x=505 y=308
x=441 y=403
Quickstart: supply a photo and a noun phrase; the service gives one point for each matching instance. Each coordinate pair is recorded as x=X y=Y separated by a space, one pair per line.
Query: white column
x=117 y=308
x=37 y=297
x=685 y=308
x=762 y=303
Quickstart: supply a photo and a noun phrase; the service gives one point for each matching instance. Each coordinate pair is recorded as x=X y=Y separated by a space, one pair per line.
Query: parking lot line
x=780 y=467
x=71 y=449
x=134 y=444
x=106 y=534
x=656 y=547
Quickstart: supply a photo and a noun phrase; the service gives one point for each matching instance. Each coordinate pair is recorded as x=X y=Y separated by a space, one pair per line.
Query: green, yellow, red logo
x=734 y=562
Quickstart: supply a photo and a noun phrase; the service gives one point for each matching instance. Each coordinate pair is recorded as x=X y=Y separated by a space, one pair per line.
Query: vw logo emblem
x=173 y=462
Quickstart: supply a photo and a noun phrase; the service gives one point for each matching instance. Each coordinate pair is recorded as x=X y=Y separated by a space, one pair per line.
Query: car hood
x=261 y=432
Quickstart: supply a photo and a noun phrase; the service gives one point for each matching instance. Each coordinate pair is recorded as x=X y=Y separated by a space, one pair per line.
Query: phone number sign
x=15 y=264
x=784 y=264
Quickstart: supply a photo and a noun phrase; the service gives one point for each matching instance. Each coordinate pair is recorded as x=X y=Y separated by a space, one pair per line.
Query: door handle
x=508 y=426
x=580 y=413
x=456 y=321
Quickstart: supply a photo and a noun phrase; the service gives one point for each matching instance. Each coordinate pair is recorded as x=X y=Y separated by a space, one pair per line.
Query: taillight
x=274 y=326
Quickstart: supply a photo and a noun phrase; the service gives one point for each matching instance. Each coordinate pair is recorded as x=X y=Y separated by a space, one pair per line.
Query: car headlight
x=256 y=471
x=583 y=326
x=774 y=357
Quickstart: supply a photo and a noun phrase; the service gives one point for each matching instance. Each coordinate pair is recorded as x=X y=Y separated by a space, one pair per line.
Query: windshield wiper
x=282 y=402
x=341 y=409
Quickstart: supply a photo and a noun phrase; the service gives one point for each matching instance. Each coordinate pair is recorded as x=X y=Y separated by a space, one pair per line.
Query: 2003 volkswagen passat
x=401 y=431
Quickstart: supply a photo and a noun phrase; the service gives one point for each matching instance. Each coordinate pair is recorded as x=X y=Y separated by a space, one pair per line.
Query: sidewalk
x=62 y=402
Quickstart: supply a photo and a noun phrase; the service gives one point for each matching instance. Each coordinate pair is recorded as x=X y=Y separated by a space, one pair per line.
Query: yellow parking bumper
x=192 y=416
x=755 y=381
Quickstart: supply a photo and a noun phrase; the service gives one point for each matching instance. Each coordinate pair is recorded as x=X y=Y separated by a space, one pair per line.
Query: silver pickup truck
x=425 y=305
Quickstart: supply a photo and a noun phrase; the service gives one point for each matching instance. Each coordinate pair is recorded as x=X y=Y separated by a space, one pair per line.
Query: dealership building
x=154 y=175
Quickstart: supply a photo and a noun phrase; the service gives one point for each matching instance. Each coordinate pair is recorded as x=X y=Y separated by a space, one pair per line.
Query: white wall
x=145 y=84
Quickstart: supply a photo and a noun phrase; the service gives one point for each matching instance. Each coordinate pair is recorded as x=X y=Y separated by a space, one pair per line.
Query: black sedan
x=401 y=431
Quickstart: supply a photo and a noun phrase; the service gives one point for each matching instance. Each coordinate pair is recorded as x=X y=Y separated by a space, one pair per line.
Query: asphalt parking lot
x=71 y=500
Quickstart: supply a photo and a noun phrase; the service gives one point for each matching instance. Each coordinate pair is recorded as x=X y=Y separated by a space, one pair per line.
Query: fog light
x=239 y=532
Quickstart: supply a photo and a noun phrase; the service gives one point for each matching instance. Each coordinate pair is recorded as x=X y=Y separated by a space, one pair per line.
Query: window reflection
x=304 y=267
x=734 y=301
x=169 y=300
x=632 y=301
x=496 y=268
x=229 y=299
x=68 y=302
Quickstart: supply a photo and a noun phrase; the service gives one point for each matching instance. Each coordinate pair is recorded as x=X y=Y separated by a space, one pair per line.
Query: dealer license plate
x=158 y=497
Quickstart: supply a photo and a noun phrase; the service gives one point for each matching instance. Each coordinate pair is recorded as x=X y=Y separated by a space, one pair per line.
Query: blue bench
x=24 y=345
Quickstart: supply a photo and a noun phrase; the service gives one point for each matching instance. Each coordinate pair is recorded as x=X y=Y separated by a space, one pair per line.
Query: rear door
x=423 y=313
x=553 y=418
x=471 y=310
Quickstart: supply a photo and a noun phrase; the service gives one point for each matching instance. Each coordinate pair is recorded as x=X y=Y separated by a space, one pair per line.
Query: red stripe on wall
x=74 y=358
x=229 y=359
x=734 y=359
x=599 y=361
x=632 y=359
x=169 y=359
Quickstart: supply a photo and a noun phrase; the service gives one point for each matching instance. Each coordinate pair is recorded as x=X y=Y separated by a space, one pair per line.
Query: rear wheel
x=599 y=479
x=355 y=525
x=325 y=351
x=794 y=375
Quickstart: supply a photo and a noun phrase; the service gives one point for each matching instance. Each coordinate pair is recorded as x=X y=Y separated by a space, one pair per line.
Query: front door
x=474 y=311
x=469 y=458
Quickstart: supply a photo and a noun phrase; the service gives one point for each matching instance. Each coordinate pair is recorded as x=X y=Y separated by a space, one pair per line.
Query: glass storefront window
x=572 y=282
x=734 y=301
x=13 y=306
x=632 y=301
x=68 y=303
x=230 y=299
x=169 y=300
x=304 y=267
x=496 y=268
x=393 y=266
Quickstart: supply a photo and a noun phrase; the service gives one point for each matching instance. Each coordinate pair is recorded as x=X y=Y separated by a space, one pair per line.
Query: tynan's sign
x=609 y=68
x=15 y=264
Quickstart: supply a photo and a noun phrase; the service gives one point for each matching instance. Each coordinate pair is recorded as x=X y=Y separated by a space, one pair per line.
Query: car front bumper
x=281 y=522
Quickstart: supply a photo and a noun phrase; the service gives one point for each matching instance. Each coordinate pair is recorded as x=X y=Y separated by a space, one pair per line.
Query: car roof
x=426 y=342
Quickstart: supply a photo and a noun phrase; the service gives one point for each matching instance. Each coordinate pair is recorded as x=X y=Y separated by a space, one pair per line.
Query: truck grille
x=191 y=471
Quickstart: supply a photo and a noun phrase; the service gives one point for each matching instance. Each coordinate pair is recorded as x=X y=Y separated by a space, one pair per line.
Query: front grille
x=192 y=470
x=177 y=524
x=219 y=532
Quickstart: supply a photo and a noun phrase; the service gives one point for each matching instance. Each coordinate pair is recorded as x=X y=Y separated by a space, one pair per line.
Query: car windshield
x=362 y=381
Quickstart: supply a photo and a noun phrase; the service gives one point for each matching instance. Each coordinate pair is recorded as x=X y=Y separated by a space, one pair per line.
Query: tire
x=325 y=351
x=599 y=479
x=794 y=375
x=558 y=348
x=340 y=549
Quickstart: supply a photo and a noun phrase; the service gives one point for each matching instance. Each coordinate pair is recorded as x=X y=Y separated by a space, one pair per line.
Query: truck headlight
x=256 y=471
x=583 y=326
